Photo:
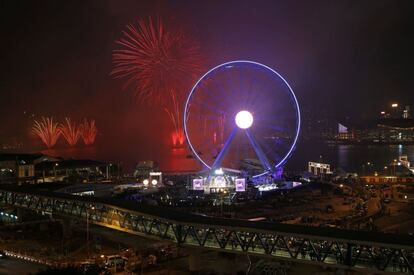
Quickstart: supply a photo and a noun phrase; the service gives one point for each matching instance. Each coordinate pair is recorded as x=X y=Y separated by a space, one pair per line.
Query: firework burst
x=155 y=60
x=177 y=136
x=159 y=64
x=70 y=131
x=47 y=130
x=88 y=131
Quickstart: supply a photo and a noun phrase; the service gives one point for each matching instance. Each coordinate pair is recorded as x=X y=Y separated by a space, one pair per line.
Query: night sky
x=351 y=58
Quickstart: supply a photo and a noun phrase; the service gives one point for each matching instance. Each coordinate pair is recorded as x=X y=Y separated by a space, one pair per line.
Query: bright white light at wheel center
x=244 y=119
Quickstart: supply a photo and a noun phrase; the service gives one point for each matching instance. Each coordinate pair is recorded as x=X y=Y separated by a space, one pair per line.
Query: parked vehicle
x=115 y=262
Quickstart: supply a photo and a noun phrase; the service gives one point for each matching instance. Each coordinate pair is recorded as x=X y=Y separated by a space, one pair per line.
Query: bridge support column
x=179 y=234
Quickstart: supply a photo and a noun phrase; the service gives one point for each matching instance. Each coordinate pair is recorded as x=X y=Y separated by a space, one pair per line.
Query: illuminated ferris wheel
x=242 y=115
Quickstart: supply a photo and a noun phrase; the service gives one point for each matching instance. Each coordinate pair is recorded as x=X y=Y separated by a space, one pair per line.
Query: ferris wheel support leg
x=259 y=152
x=221 y=155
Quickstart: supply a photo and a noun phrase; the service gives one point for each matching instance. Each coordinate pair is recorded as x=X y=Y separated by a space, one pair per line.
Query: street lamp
x=108 y=170
x=54 y=169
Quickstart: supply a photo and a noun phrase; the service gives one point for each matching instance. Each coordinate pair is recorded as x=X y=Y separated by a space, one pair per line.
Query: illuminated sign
x=219 y=181
x=155 y=173
x=240 y=185
x=198 y=184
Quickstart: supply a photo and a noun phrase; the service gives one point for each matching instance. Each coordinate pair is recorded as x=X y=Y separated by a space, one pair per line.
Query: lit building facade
x=318 y=168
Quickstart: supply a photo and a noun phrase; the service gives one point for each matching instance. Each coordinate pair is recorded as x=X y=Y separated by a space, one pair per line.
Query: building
x=406 y=112
x=318 y=168
x=395 y=131
x=18 y=168
x=344 y=133
x=397 y=112
x=386 y=179
x=380 y=131
x=144 y=168
x=71 y=170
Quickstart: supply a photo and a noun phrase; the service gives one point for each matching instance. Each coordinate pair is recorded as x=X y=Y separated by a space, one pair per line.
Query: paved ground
x=14 y=266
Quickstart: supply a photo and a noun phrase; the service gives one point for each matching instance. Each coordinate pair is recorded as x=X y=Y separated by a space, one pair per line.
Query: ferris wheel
x=242 y=114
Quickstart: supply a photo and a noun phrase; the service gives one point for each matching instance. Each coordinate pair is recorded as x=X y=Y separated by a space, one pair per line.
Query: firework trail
x=70 y=131
x=177 y=135
x=88 y=131
x=221 y=126
x=47 y=130
x=160 y=65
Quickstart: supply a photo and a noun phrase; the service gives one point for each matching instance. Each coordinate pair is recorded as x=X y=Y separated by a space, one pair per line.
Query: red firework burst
x=178 y=138
x=156 y=60
x=173 y=111
x=47 y=130
x=70 y=131
x=88 y=131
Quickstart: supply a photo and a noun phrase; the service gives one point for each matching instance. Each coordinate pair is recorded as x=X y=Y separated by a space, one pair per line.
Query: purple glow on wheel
x=244 y=119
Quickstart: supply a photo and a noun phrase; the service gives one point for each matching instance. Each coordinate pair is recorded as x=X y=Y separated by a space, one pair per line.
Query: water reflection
x=350 y=158
x=343 y=155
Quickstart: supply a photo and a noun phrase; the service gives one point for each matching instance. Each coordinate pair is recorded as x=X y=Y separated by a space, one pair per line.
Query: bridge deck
x=172 y=215
x=352 y=249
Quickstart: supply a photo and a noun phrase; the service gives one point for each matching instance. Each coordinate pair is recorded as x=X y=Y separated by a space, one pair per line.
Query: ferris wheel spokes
x=259 y=152
x=256 y=147
x=221 y=155
x=243 y=90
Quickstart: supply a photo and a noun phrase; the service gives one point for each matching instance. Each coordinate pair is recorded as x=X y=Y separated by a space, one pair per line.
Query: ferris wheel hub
x=244 y=119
